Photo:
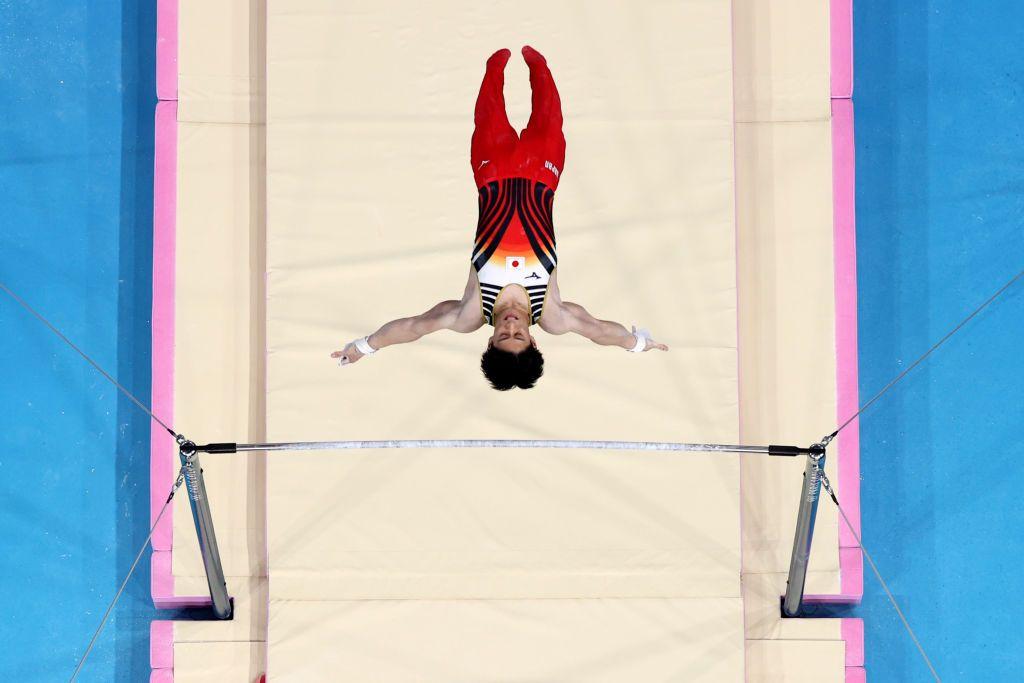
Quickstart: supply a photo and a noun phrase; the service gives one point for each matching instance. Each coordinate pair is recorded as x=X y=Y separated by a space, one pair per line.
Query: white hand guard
x=641 y=340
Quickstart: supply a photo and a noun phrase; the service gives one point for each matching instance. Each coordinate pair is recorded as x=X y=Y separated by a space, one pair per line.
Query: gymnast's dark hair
x=504 y=369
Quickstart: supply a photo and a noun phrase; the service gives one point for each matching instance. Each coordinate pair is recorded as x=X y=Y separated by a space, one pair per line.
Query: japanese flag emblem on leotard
x=515 y=264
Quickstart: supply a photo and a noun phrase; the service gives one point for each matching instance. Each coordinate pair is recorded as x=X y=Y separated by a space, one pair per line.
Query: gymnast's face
x=512 y=330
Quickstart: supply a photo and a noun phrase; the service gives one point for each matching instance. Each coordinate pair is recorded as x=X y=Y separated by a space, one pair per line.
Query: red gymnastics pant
x=496 y=151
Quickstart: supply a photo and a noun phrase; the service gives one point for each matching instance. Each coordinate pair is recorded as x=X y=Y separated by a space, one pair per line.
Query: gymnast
x=512 y=279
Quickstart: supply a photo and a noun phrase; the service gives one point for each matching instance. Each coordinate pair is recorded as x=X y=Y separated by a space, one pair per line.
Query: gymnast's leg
x=543 y=135
x=494 y=139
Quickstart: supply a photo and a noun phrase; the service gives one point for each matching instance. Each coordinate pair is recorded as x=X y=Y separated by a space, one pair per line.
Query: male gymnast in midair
x=512 y=279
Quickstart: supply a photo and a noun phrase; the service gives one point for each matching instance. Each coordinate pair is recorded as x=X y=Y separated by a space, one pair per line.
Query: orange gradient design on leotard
x=514 y=243
x=504 y=206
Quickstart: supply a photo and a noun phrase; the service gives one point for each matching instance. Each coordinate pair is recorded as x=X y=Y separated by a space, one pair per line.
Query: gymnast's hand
x=348 y=355
x=651 y=344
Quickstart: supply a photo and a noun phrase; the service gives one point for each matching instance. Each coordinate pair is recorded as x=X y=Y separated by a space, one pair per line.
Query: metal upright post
x=204 y=528
x=804 y=532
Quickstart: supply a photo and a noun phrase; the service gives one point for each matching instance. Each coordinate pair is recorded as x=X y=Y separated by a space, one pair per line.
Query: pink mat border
x=841 y=45
x=167 y=49
x=163 y=454
x=161 y=652
x=161 y=475
x=162 y=448
x=851 y=562
x=851 y=567
x=162 y=451
x=164 y=215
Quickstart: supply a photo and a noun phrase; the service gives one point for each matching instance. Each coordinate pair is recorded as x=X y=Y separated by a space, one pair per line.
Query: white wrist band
x=641 y=340
x=364 y=346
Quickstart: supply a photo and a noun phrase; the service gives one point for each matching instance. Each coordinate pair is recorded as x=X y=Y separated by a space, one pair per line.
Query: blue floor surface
x=940 y=148
x=76 y=167
x=939 y=106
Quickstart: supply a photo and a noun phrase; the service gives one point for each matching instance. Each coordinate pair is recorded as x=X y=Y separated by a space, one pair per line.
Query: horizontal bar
x=503 y=443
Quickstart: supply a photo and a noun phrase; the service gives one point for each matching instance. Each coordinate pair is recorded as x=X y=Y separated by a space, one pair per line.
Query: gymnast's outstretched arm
x=457 y=315
x=560 y=317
